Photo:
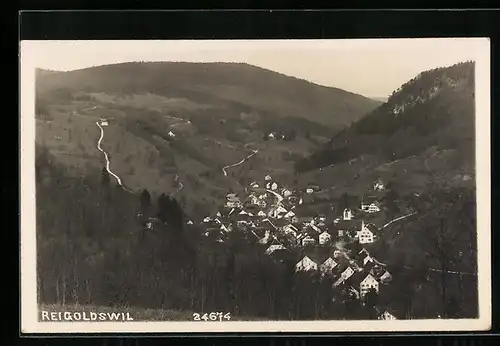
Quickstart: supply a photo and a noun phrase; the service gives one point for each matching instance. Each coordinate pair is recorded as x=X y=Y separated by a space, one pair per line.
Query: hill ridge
x=257 y=88
x=434 y=108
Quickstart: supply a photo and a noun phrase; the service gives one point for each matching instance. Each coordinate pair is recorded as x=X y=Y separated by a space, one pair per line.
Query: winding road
x=238 y=163
x=397 y=219
x=107 y=158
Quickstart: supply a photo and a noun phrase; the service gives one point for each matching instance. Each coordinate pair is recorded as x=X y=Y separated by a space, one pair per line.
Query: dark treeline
x=93 y=249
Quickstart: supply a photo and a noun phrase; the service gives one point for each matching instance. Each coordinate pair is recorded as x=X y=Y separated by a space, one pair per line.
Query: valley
x=219 y=186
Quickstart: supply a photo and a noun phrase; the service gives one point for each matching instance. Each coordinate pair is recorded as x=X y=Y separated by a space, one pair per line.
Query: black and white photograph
x=255 y=185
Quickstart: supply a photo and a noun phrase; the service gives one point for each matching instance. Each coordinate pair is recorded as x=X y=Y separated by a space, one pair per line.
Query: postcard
x=255 y=185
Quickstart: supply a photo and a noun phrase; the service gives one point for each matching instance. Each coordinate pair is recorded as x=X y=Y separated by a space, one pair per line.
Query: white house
x=268 y=178
x=366 y=257
x=347 y=214
x=171 y=134
x=386 y=316
x=290 y=229
x=252 y=199
x=219 y=214
x=386 y=277
x=207 y=219
x=301 y=201
x=306 y=264
x=272 y=186
x=261 y=213
x=273 y=248
x=271 y=135
x=379 y=186
x=278 y=212
x=261 y=203
x=324 y=237
x=232 y=201
x=104 y=122
x=340 y=232
x=190 y=222
x=308 y=241
x=327 y=266
x=149 y=225
x=370 y=208
x=368 y=283
x=346 y=274
x=289 y=215
x=226 y=228
x=365 y=235
x=309 y=191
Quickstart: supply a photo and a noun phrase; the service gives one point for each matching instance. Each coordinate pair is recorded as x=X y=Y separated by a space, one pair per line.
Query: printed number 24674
x=213 y=316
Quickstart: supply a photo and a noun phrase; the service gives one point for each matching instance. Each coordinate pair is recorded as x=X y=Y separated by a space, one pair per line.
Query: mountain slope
x=229 y=84
x=434 y=109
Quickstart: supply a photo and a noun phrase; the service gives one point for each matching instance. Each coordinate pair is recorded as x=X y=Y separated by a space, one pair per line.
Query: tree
x=162 y=207
x=344 y=202
x=145 y=200
x=370 y=302
x=105 y=177
x=447 y=230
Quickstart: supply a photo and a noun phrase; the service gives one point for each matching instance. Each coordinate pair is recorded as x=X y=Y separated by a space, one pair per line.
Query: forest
x=436 y=108
x=94 y=249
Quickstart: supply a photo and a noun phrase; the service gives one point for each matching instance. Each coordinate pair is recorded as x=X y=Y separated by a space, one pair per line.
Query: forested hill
x=227 y=84
x=436 y=108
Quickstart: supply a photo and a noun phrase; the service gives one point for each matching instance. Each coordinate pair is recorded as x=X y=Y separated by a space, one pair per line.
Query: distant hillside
x=434 y=109
x=234 y=85
x=380 y=99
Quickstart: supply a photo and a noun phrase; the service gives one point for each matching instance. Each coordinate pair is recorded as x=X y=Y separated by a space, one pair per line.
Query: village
x=333 y=246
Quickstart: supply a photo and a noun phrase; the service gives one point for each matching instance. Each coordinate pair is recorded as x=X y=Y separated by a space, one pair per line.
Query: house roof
x=274 y=247
x=330 y=261
x=348 y=224
x=356 y=278
x=326 y=232
x=291 y=226
x=318 y=255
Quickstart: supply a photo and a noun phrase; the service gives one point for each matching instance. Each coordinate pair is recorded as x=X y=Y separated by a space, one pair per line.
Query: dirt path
x=238 y=163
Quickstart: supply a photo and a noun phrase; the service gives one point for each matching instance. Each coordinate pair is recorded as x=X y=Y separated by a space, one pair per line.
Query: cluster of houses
x=359 y=273
x=277 y=215
x=277 y=218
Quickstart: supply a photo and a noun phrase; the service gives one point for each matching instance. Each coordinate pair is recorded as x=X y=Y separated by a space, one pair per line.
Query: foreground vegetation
x=94 y=250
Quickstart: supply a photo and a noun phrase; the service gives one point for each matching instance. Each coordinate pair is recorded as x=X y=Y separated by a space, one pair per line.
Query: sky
x=373 y=68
